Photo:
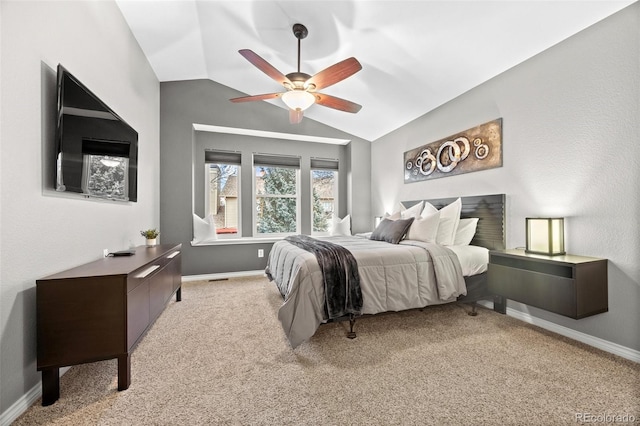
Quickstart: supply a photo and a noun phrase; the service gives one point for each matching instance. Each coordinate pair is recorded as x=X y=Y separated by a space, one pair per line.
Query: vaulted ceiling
x=416 y=55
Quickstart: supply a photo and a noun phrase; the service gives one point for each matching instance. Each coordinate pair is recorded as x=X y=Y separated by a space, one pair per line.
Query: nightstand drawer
x=556 y=269
x=550 y=292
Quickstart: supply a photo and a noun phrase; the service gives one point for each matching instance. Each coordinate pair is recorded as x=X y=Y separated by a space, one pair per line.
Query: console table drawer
x=148 y=271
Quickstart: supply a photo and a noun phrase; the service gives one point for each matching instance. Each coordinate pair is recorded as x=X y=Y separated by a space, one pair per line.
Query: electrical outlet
x=260 y=253
x=105 y=252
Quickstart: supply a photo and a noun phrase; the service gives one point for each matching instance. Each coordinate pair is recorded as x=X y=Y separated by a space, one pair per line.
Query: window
x=222 y=191
x=324 y=193
x=277 y=183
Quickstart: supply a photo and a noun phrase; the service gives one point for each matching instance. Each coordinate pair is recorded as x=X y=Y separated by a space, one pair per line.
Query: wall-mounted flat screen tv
x=96 y=150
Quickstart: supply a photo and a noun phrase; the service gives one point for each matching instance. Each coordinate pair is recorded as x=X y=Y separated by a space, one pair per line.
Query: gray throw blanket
x=339 y=273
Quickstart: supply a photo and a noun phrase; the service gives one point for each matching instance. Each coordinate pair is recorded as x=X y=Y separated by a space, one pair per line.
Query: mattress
x=474 y=260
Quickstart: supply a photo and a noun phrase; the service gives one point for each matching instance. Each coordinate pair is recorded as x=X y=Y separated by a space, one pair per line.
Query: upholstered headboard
x=489 y=209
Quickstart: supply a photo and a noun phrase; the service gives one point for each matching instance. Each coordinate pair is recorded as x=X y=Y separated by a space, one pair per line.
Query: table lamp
x=545 y=235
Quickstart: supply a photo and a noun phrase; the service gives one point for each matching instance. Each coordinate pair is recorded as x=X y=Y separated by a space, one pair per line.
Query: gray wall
x=570 y=146
x=205 y=102
x=42 y=233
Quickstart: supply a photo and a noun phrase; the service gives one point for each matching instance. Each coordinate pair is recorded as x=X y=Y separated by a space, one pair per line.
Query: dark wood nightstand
x=573 y=286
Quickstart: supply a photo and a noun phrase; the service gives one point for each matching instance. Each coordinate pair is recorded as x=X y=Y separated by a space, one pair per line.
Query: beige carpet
x=220 y=357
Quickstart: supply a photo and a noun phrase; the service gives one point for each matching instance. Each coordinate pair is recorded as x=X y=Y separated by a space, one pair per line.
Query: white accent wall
x=571 y=148
x=42 y=233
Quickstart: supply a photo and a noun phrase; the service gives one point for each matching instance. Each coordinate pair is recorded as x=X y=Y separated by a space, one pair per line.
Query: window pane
x=106 y=176
x=276 y=215
x=324 y=184
x=224 y=197
x=276 y=181
x=276 y=200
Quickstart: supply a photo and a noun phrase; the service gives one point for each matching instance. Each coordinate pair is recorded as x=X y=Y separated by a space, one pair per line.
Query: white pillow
x=340 y=226
x=393 y=216
x=428 y=209
x=204 y=230
x=425 y=228
x=413 y=211
x=466 y=231
x=449 y=219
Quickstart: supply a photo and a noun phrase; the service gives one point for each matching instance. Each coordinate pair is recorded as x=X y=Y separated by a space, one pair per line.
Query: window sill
x=236 y=241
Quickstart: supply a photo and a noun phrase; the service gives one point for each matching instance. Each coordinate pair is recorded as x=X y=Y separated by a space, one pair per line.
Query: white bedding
x=393 y=277
x=474 y=260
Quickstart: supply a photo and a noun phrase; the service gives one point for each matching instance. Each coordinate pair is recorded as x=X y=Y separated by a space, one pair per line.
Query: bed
x=392 y=277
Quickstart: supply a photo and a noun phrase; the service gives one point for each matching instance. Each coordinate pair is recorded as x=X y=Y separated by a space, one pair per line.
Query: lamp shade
x=298 y=99
x=545 y=235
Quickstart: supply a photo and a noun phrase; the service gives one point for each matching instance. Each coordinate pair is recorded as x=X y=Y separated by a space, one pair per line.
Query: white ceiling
x=416 y=55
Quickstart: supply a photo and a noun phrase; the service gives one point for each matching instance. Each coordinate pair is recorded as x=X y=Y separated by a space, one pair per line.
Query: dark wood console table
x=101 y=310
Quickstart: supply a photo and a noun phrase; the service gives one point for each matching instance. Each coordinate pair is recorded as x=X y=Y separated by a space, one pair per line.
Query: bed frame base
x=352 y=321
x=351 y=334
x=474 y=310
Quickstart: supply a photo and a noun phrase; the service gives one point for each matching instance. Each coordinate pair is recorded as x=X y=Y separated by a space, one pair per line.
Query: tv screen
x=96 y=151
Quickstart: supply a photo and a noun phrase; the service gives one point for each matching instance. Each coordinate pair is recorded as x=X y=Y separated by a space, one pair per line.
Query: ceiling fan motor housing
x=300 y=31
x=298 y=79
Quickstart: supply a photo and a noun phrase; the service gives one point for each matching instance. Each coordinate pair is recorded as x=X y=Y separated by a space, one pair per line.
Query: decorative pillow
x=413 y=211
x=340 y=226
x=425 y=228
x=449 y=219
x=466 y=231
x=204 y=230
x=392 y=231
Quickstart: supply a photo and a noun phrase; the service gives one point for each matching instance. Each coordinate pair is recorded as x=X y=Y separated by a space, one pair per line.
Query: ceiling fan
x=301 y=87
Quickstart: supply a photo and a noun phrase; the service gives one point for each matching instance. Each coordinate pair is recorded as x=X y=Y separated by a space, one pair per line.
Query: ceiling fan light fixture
x=301 y=87
x=298 y=99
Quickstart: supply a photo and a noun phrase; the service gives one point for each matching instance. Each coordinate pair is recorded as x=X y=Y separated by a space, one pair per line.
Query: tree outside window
x=324 y=199
x=276 y=200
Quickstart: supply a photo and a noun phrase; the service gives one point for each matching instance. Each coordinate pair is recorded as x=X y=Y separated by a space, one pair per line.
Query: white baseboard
x=23 y=404
x=596 y=342
x=221 y=276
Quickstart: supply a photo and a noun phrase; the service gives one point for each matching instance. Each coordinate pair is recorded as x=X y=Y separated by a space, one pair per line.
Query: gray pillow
x=392 y=231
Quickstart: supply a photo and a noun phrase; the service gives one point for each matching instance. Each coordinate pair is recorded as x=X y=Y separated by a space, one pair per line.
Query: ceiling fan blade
x=256 y=97
x=337 y=103
x=334 y=74
x=265 y=66
x=295 y=116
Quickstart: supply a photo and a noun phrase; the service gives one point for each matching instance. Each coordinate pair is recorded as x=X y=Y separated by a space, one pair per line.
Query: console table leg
x=50 y=386
x=124 y=371
x=179 y=294
x=500 y=304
